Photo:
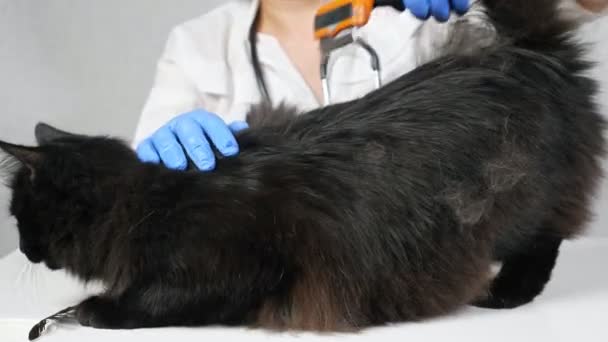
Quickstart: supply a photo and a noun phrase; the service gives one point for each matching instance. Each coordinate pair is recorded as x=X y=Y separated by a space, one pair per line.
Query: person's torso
x=216 y=58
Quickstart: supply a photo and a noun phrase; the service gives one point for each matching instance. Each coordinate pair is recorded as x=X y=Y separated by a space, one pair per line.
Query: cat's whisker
x=140 y=222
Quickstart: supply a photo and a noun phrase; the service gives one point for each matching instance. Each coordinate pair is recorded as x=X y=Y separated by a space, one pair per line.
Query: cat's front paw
x=97 y=312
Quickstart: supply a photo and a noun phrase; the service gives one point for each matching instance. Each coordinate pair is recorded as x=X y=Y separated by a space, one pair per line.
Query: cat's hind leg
x=523 y=276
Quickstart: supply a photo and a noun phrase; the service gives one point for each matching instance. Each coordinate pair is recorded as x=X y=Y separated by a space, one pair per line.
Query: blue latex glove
x=191 y=132
x=439 y=9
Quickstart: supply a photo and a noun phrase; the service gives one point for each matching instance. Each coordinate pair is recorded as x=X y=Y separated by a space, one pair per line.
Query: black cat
x=385 y=209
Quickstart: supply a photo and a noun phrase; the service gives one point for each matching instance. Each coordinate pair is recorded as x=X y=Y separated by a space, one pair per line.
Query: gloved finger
x=193 y=140
x=421 y=9
x=440 y=9
x=238 y=126
x=218 y=132
x=147 y=153
x=460 y=6
x=169 y=149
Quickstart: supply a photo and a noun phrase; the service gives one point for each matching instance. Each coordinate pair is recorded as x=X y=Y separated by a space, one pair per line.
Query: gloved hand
x=191 y=132
x=440 y=9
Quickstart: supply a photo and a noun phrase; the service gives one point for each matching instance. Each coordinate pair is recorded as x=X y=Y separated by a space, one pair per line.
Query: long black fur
x=384 y=209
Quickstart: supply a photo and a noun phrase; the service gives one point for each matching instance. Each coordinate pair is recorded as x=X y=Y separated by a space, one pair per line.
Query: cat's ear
x=31 y=157
x=46 y=134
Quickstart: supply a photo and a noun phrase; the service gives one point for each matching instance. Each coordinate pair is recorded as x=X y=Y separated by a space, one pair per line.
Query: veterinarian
x=206 y=70
x=206 y=77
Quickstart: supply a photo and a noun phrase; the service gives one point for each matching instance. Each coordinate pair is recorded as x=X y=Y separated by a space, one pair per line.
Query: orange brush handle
x=338 y=15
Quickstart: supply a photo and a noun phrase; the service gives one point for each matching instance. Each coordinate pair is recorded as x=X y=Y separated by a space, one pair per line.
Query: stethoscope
x=255 y=62
x=261 y=81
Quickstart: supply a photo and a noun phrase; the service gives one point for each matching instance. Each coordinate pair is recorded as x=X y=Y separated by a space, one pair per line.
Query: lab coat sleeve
x=172 y=94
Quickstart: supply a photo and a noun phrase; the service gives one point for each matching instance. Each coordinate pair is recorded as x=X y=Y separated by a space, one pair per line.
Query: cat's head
x=57 y=186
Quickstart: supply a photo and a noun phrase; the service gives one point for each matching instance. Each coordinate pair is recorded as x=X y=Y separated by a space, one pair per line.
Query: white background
x=81 y=65
x=88 y=65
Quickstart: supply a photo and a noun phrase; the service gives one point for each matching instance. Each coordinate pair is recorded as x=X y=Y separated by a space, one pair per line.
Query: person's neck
x=282 y=18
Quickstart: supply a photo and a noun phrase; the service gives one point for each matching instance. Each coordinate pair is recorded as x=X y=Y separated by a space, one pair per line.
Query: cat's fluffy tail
x=529 y=21
x=531 y=24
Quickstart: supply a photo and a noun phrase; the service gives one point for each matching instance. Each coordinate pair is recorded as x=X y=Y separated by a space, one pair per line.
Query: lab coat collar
x=251 y=15
x=245 y=92
x=241 y=58
x=375 y=33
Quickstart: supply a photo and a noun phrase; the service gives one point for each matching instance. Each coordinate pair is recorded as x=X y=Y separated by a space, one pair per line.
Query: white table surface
x=574 y=307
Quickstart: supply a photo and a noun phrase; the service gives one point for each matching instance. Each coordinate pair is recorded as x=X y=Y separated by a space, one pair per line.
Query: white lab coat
x=206 y=64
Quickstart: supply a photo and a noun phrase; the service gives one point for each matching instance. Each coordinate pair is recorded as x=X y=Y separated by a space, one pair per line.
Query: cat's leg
x=159 y=303
x=523 y=276
x=138 y=307
x=155 y=307
x=167 y=309
x=130 y=313
x=106 y=313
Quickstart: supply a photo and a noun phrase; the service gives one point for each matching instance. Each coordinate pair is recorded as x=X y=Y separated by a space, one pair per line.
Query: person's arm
x=171 y=127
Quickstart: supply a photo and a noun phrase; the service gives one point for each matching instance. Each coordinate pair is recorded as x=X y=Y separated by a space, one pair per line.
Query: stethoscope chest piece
x=329 y=46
